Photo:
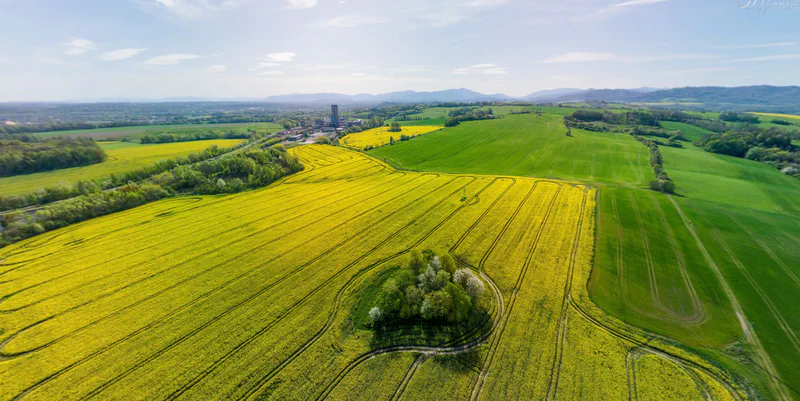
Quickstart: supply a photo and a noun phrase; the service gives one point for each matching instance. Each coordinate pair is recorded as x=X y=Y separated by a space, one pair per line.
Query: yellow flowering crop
x=381 y=136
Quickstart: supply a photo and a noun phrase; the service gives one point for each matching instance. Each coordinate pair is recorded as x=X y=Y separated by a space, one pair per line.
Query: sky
x=153 y=49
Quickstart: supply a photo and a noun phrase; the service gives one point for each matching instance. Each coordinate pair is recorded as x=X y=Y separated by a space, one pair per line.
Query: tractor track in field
x=763 y=295
x=631 y=358
x=191 y=233
x=497 y=293
x=645 y=345
x=555 y=370
x=230 y=310
x=495 y=343
x=195 y=199
x=778 y=385
x=699 y=315
x=338 y=299
x=222 y=246
x=285 y=313
x=667 y=314
x=206 y=205
x=74 y=227
x=765 y=247
x=651 y=270
x=401 y=388
x=5 y=355
x=449 y=350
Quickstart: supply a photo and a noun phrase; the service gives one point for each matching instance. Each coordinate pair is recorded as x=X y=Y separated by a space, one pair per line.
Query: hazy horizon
x=156 y=49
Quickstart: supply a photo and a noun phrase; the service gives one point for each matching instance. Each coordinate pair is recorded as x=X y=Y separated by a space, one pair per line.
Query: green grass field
x=525 y=145
x=136 y=132
x=122 y=157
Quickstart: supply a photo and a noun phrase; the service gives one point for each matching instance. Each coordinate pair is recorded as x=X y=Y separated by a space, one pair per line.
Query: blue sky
x=100 y=49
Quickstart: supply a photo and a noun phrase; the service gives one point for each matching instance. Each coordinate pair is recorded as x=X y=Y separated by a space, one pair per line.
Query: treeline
x=166 y=137
x=21 y=157
x=772 y=146
x=429 y=287
x=662 y=182
x=60 y=126
x=635 y=117
x=458 y=116
x=232 y=173
x=734 y=117
x=370 y=123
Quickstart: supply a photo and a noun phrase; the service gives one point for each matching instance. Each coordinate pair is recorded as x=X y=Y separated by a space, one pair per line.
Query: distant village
x=329 y=127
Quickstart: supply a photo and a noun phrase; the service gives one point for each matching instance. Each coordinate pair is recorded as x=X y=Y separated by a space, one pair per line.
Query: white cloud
x=410 y=68
x=483 y=69
x=271 y=73
x=633 y=3
x=582 y=57
x=170 y=59
x=302 y=4
x=279 y=58
x=52 y=60
x=614 y=9
x=482 y=3
x=579 y=57
x=216 y=68
x=777 y=57
x=758 y=45
x=697 y=70
x=188 y=9
x=349 y=21
x=78 y=46
x=122 y=54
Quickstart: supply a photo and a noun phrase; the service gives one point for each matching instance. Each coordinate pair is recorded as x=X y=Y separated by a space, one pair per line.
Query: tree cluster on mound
x=232 y=173
x=23 y=157
x=429 y=287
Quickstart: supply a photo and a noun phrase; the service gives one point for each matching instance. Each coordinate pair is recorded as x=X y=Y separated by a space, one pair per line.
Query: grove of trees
x=23 y=157
x=429 y=287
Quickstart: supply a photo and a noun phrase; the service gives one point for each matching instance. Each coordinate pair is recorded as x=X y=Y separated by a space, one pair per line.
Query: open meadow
x=122 y=157
x=525 y=145
x=252 y=296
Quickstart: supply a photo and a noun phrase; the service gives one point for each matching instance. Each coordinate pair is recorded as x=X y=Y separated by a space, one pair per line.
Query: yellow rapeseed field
x=381 y=136
x=249 y=296
x=793 y=116
x=122 y=157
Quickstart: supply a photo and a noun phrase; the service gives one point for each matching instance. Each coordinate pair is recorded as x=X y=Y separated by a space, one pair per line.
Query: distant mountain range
x=450 y=95
x=764 y=97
